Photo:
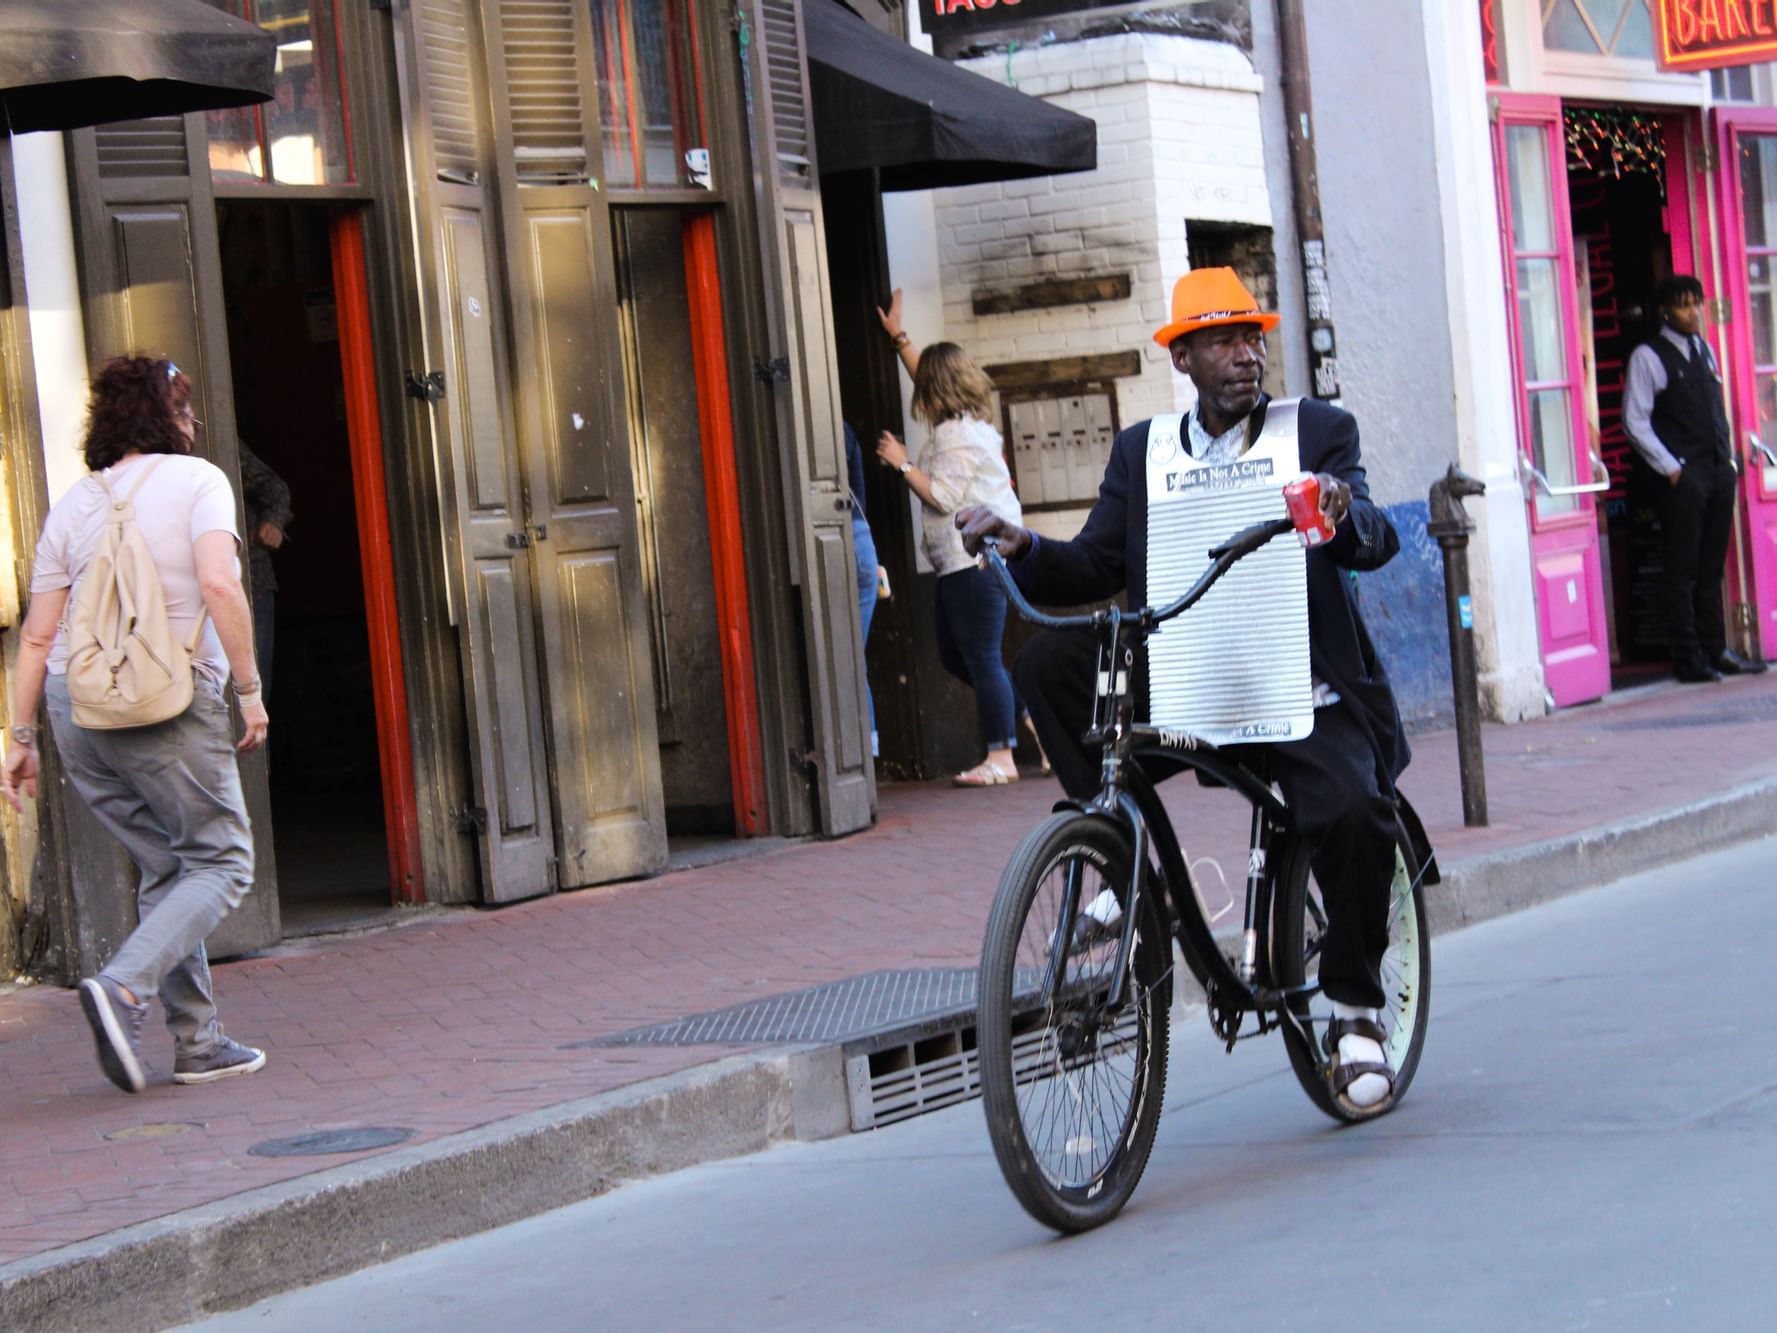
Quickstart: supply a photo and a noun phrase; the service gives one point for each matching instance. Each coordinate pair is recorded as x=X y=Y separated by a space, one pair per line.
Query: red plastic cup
x=1302 y=498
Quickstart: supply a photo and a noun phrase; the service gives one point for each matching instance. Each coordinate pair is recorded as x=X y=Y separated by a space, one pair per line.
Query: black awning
x=65 y=64
x=923 y=122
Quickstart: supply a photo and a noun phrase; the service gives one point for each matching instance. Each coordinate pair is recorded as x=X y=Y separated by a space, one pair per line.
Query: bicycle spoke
x=1076 y=1106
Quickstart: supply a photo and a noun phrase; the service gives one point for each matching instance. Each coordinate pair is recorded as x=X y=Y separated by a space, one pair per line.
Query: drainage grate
x=839 y=1011
x=893 y=1082
x=907 y=1037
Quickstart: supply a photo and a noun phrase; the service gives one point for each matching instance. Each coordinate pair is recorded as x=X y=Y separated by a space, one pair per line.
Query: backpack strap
x=129 y=502
x=154 y=461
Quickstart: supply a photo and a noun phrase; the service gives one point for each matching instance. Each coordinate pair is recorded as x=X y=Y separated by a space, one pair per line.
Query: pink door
x=1562 y=473
x=1748 y=147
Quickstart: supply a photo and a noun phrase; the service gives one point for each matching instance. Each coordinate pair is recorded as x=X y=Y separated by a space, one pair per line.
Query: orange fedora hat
x=1205 y=297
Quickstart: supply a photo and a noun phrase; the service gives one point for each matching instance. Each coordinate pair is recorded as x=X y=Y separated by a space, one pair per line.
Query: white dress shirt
x=1647 y=381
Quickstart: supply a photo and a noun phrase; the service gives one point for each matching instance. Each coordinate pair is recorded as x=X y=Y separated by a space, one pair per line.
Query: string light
x=1614 y=141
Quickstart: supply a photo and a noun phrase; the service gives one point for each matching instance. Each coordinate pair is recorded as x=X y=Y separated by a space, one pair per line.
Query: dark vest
x=1689 y=416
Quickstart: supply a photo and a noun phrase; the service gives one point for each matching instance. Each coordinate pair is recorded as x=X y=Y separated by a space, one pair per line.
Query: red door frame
x=1753 y=581
x=394 y=744
x=1564 y=546
x=746 y=755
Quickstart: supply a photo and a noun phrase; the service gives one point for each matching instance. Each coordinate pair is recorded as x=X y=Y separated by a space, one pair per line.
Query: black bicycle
x=1077 y=965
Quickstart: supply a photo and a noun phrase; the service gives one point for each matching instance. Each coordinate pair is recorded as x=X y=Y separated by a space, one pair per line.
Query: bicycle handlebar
x=1222 y=558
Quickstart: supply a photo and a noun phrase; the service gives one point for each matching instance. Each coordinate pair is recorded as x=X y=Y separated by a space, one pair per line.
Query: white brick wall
x=1178 y=138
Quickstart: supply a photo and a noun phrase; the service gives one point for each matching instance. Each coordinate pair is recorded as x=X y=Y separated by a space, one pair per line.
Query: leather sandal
x=1343 y=1075
x=984 y=774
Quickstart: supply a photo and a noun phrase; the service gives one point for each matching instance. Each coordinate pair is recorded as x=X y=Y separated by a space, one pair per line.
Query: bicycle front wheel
x=1299 y=926
x=1072 y=1085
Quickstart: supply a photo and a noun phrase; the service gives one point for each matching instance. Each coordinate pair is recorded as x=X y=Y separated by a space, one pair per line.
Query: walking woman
x=170 y=791
x=962 y=464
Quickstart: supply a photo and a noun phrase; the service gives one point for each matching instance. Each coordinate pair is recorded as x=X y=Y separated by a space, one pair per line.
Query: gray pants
x=171 y=794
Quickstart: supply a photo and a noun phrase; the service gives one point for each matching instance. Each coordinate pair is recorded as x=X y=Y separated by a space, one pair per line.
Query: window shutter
x=789 y=105
x=543 y=88
x=142 y=149
x=450 y=89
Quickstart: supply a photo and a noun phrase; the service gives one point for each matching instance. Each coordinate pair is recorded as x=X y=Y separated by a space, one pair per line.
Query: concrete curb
x=1480 y=888
x=240 y=1250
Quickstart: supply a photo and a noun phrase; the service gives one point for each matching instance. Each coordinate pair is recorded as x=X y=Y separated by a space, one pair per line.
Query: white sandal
x=984 y=774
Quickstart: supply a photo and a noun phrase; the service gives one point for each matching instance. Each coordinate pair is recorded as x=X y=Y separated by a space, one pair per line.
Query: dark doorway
x=1622 y=250
x=290 y=407
x=673 y=519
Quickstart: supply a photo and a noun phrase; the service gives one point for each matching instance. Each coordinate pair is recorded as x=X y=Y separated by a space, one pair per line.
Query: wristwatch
x=905 y=468
x=25 y=736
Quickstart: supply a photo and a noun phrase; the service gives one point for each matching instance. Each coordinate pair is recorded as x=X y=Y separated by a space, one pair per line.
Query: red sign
x=1711 y=34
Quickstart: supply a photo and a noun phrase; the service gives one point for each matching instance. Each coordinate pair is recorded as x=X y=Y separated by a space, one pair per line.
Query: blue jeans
x=171 y=794
x=864 y=546
x=971 y=625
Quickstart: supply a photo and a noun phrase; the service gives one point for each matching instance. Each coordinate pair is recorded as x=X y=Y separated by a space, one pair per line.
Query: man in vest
x=1339 y=780
x=1673 y=411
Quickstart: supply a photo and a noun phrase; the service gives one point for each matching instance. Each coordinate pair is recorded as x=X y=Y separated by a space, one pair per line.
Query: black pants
x=1696 y=520
x=1329 y=781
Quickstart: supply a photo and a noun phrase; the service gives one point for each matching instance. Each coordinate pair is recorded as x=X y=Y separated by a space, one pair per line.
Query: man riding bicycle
x=1340 y=780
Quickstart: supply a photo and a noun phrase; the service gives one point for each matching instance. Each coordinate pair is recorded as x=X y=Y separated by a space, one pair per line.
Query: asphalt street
x=1589 y=1144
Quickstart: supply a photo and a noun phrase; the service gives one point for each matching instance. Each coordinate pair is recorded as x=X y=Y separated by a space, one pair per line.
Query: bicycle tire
x=1406 y=976
x=1055 y=1058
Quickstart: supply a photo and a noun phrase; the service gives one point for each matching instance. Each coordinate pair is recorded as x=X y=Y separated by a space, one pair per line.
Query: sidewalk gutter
x=1481 y=887
x=239 y=1250
x=243 y=1249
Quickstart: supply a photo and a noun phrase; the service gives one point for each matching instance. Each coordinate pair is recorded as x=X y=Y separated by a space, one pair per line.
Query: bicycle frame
x=1127 y=796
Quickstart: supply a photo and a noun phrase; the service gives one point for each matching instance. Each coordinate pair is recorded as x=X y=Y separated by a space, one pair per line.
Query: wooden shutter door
x=444 y=101
x=811 y=446
x=598 y=671
x=151 y=280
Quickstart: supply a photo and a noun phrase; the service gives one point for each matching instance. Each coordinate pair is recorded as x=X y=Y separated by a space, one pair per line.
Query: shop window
x=1733 y=84
x=651 y=111
x=302 y=136
x=1599 y=27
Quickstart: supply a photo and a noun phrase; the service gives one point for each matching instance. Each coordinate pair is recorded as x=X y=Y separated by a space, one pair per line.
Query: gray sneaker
x=117 y=1029
x=228 y=1059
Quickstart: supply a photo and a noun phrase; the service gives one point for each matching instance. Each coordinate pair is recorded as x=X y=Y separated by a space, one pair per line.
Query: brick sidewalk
x=456 y=1021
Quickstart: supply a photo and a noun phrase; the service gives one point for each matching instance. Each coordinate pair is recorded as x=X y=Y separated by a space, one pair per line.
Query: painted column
x=1505 y=607
x=58 y=333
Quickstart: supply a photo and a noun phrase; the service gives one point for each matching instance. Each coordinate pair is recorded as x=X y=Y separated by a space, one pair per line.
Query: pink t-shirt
x=183 y=499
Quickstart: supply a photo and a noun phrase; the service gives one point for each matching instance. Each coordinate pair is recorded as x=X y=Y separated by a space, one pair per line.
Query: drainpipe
x=1298 y=110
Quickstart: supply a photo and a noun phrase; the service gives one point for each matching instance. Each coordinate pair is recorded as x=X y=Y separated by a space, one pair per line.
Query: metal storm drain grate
x=324 y=1141
x=838 y=1011
x=907 y=1037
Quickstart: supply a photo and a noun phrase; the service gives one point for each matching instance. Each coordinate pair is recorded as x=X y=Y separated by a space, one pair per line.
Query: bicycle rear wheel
x=1406 y=976
x=1072 y=1092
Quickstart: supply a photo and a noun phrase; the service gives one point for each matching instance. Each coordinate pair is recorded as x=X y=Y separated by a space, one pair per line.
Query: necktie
x=1697 y=351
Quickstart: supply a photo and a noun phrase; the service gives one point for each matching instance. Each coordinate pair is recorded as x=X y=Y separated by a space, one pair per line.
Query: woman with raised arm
x=962 y=464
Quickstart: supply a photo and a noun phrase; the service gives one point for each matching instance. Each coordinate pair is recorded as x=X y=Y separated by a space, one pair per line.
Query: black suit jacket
x=1111 y=555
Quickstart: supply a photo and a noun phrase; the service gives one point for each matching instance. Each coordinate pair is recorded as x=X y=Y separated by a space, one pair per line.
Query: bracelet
x=240 y=689
x=900 y=340
x=248 y=698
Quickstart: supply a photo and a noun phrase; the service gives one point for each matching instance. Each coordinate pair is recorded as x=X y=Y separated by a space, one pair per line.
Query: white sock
x=1105 y=909
x=1366 y=1089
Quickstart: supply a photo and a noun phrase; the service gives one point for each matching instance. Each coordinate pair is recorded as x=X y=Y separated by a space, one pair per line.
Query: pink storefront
x=1612 y=173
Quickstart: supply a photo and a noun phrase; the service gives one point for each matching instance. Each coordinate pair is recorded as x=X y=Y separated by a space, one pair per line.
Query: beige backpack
x=125 y=667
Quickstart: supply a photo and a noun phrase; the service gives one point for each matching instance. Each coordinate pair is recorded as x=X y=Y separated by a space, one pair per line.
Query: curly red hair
x=137 y=405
